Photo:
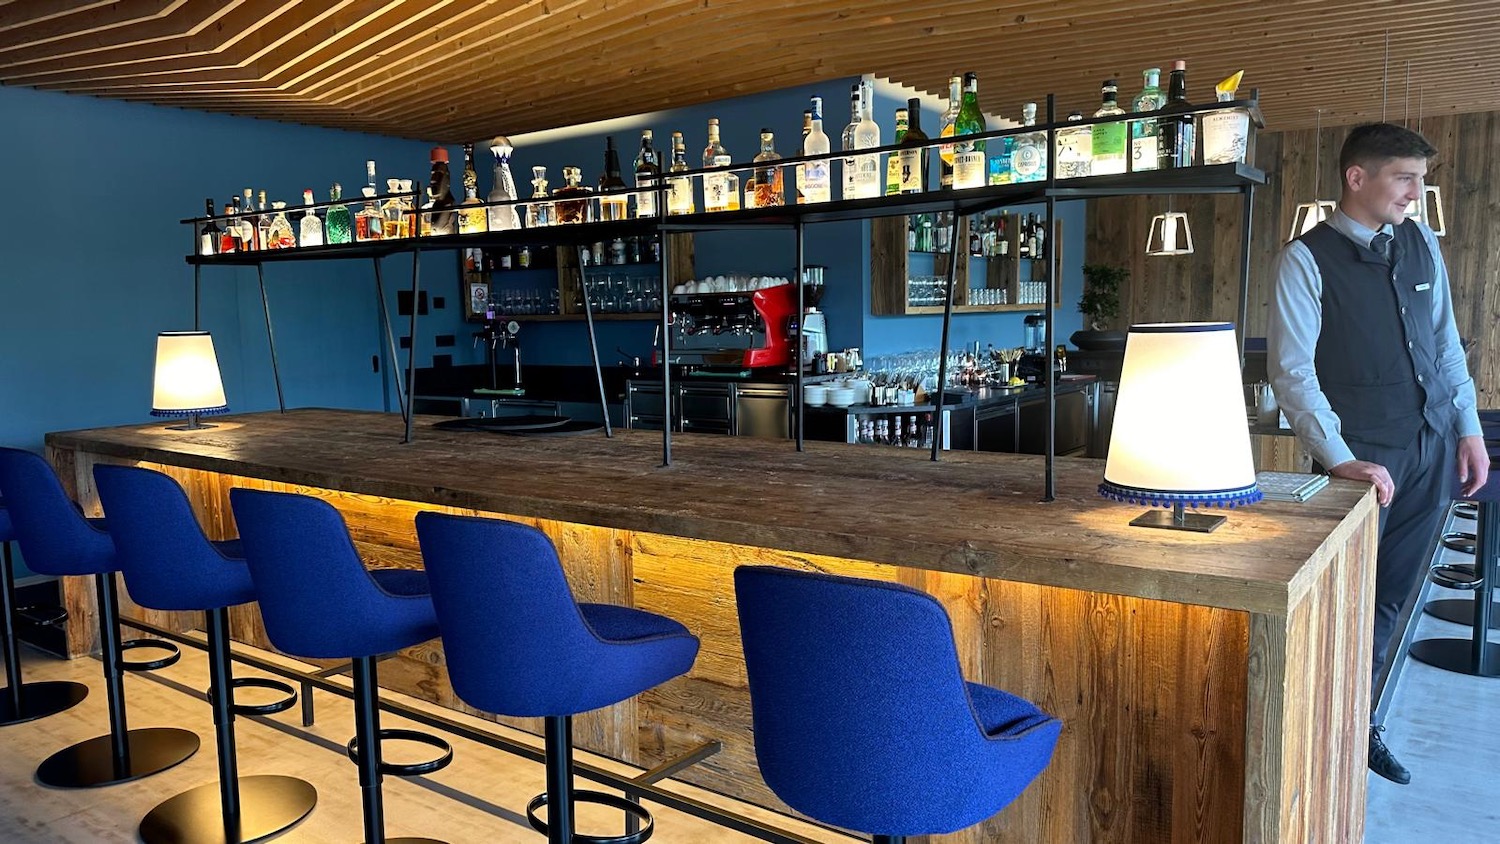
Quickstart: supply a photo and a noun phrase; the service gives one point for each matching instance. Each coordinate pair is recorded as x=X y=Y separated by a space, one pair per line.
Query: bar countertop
x=971 y=513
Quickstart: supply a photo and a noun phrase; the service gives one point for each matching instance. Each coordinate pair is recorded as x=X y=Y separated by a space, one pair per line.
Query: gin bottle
x=680 y=196
x=281 y=236
x=816 y=179
x=310 y=232
x=538 y=213
x=1029 y=155
x=1143 y=132
x=503 y=188
x=1109 y=138
x=946 y=129
x=1075 y=149
x=647 y=173
x=1174 y=128
x=893 y=163
x=471 y=218
x=768 y=186
x=339 y=224
x=969 y=156
x=717 y=193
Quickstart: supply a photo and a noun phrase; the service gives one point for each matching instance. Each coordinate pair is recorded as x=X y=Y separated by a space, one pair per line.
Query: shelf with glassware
x=1002 y=278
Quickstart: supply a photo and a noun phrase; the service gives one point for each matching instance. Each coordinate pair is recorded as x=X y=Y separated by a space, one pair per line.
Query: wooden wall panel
x=1204 y=286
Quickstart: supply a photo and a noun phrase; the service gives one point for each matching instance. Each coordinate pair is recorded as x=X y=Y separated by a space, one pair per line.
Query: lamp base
x=1177 y=519
x=194 y=424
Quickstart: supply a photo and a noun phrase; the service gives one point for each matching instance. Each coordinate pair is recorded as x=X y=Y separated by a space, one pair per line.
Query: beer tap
x=499 y=334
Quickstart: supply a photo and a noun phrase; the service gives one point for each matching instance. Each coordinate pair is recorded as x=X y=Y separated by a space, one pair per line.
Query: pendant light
x=1170 y=233
x=1428 y=208
x=1309 y=214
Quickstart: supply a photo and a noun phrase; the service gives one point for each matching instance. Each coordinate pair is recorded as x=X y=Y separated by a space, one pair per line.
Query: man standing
x=1365 y=360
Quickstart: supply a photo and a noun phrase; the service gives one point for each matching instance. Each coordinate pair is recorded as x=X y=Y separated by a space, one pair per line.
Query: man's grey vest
x=1376 y=357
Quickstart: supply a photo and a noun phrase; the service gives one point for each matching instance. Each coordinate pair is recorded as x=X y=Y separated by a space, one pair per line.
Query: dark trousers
x=1424 y=474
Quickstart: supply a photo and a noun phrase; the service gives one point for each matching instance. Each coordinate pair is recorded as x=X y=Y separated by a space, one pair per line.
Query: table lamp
x=1180 y=436
x=187 y=379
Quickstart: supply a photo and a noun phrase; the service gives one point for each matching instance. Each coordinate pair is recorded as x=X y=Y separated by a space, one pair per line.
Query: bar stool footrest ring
x=1460 y=576
x=599 y=798
x=43 y=616
x=1460 y=541
x=414 y=769
x=174 y=654
x=270 y=708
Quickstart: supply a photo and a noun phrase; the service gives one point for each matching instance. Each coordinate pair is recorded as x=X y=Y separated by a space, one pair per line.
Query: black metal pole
x=114 y=681
x=799 y=356
x=197 y=295
x=588 y=317
x=265 y=307
x=1049 y=490
x=221 y=689
x=367 y=737
x=666 y=339
x=1245 y=232
x=390 y=341
x=12 y=647
x=942 y=386
x=558 y=731
x=411 y=351
x=1486 y=552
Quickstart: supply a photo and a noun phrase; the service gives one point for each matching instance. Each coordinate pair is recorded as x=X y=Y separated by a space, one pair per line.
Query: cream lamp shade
x=187 y=377
x=1180 y=435
x=1170 y=235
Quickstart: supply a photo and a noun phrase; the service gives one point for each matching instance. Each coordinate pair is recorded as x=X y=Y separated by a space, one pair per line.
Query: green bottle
x=893 y=162
x=968 y=157
x=338 y=226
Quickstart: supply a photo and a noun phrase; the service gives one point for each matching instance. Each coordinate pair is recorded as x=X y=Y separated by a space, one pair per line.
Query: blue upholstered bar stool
x=320 y=602
x=862 y=716
x=58 y=540
x=518 y=644
x=170 y=565
x=22 y=701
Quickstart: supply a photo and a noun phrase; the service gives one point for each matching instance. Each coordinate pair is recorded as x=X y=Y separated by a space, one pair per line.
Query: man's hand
x=1473 y=465
x=1374 y=473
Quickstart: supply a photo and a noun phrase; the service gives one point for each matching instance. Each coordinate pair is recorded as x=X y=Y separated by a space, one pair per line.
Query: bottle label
x=680 y=200
x=1143 y=152
x=910 y=173
x=1225 y=136
x=815 y=182
x=645 y=203
x=1027 y=161
x=968 y=169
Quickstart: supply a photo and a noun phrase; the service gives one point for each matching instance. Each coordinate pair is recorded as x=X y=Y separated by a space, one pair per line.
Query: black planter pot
x=1098 y=341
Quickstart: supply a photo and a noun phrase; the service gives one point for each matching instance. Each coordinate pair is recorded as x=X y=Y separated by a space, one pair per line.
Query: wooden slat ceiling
x=457 y=70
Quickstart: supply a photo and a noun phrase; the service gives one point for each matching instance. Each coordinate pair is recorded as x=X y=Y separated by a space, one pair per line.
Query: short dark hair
x=1371 y=145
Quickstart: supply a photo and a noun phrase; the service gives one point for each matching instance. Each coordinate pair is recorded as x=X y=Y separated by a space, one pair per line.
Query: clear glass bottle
x=817 y=177
x=502 y=188
x=914 y=155
x=946 y=129
x=1174 y=128
x=471 y=219
x=850 y=189
x=1109 y=138
x=281 y=228
x=613 y=205
x=680 y=193
x=368 y=224
x=393 y=212
x=408 y=202
x=1143 y=132
x=893 y=163
x=867 y=136
x=798 y=176
x=969 y=156
x=1029 y=155
x=209 y=235
x=718 y=195
x=1075 y=149
x=249 y=237
x=263 y=225
x=768 y=185
x=647 y=174
x=229 y=239
x=538 y=213
x=574 y=203
x=338 y=224
x=310 y=230
x=439 y=217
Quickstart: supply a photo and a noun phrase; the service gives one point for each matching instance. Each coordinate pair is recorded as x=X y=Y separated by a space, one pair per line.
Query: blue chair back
x=514 y=638
x=862 y=715
x=316 y=597
x=167 y=561
x=55 y=537
x=7 y=532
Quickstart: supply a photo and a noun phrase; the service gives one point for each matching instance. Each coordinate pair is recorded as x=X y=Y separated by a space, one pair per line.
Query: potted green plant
x=1100 y=304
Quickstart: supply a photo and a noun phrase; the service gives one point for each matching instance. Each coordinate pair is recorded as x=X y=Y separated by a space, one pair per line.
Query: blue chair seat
x=1002 y=715
x=232 y=548
x=614 y=623
x=401 y=583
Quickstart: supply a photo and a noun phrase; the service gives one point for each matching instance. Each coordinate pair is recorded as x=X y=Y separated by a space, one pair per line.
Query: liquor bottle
x=538 y=213
x=339 y=224
x=867 y=136
x=502 y=188
x=927 y=432
x=1109 y=138
x=976 y=239
x=1023 y=237
x=718 y=195
x=893 y=164
x=370 y=175
x=408 y=203
x=817 y=179
x=680 y=196
x=310 y=231
x=1143 y=132
x=647 y=172
x=1174 y=129
x=768 y=187
x=263 y=225
x=911 y=440
x=281 y=228
x=576 y=208
x=248 y=224
x=367 y=223
x=946 y=129
x=1075 y=149
x=208 y=236
x=914 y=154
x=613 y=205
x=471 y=220
x=229 y=238
x=393 y=212
x=1002 y=239
x=1029 y=155
x=969 y=156
x=440 y=218
x=850 y=189
x=1038 y=239
x=800 y=174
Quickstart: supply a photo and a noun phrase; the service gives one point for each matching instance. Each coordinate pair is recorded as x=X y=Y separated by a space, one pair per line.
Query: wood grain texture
x=1184 y=720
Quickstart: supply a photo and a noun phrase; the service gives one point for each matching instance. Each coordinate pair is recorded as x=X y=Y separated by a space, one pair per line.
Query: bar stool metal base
x=92 y=763
x=598 y=798
x=268 y=804
x=1457 y=655
x=1461 y=611
x=38 y=700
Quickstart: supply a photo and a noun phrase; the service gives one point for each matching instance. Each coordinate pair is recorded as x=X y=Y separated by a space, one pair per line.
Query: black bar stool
x=170 y=565
x=58 y=540
x=22 y=701
x=1461 y=576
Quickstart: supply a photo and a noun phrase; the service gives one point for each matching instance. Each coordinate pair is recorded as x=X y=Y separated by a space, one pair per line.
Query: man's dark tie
x=1380 y=244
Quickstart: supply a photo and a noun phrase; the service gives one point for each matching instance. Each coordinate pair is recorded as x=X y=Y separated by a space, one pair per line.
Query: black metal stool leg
x=560 y=797
x=1477 y=655
x=24 y=701
x=123 y=754
x=367 y=738
x=234 y=810
x=889 y=839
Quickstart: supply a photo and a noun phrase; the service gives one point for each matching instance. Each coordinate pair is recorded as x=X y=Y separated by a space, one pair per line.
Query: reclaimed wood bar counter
x=1212 y=687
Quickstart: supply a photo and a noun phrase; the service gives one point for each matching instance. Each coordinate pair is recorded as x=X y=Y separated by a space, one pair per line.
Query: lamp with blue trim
x=1180 y=436
x=187 y=379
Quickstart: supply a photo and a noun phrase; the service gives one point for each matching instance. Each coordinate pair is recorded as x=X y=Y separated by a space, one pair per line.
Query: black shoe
x=1383 y=762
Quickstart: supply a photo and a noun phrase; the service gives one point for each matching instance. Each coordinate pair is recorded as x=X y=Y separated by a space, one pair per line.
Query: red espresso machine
x=751 y=330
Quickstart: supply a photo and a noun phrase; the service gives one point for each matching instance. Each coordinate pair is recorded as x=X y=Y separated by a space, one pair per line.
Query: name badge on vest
x=1423 y=286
